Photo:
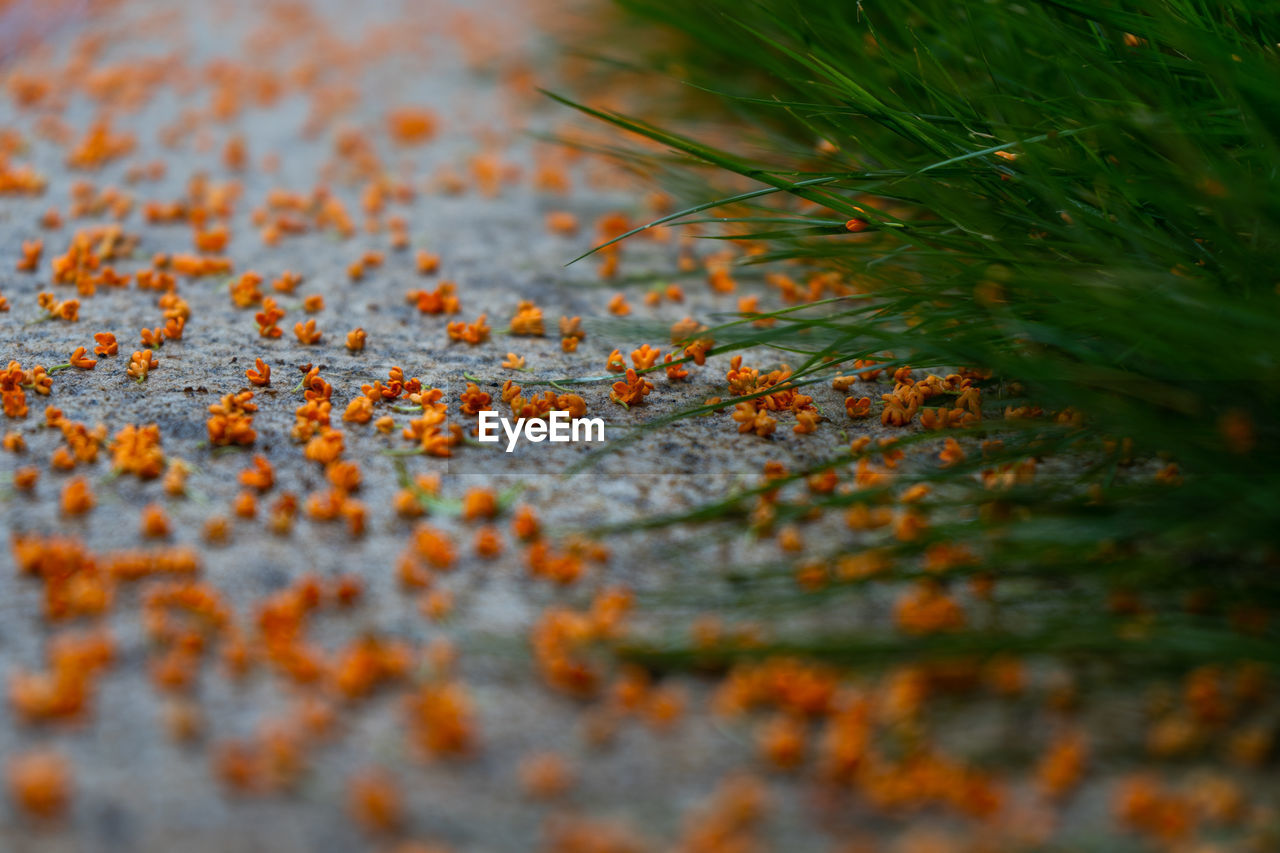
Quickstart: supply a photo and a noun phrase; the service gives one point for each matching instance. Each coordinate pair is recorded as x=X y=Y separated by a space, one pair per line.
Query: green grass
x=1121 y=261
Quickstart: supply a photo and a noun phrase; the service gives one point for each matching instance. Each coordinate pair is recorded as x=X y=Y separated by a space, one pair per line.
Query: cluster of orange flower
x=231 y=420
x=19 y=180
x=14 y=382
x=527 y=320
x=540 y=407
x=78 y=582
x=471 y=333
x=268 y=317
x=136 y=450
x=100 y=145
x=85 y=264
x=442 y=300
x=68 y=310
x=867 y=737
x=562 y=640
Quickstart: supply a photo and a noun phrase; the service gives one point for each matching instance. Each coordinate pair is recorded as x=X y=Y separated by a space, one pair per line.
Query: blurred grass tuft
x=1080 y=197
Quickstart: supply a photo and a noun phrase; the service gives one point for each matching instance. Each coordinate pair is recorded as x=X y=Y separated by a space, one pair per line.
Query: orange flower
x=857 y=407
x=527 y=320
x=665 y=706
x=473 y=333
x=752 y=420
x=215 y=530
x=526 y=525
x=719 y=278
x=313 y=303
x=155 y=523
x=268 y=317
x=80 y=360
x=632 y=390
x=359 y=410
x=175 y=478
x=513 y=361
x=141 y=363
x=806 y=422
x=136 y=450
x=411 y=125
x=325 y=447
x=173 y=328
x=488 y=542
x=40 y=783
x=152 y=338
x=261 y=476
x=479 y=503
x=245 y=290
x=618 y=305
x=355 y=339
x=915 y=493
x=615 y=363
x=62 y=460
x=343 y=475
x=675 y=371
x=698 y=351
x=545 y=776
x=749 y=306
x=213 y=240
x=1062 y=766
x=442 y=300
x=260 y=376
x=77 y=499
x=644 y=357
x=287 y=282
x=782 y=741
x=909 y=526
x=571 y=327
x=308 y=333
x=927 y=609
x=374 y=800
x=68 y=311
x=897 y=411
x=231 y=420
x=427 y=262
x=562 y=222
x=30 y=259
x=473 y=400
x=245 y=505
x=951 y=452
x=441 y=719
x=428 y=546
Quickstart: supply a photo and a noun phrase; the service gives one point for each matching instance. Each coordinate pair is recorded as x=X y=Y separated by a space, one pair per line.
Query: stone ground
x=135 y=788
